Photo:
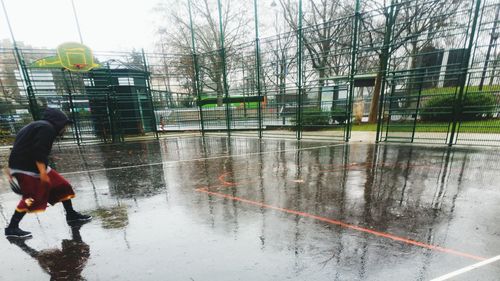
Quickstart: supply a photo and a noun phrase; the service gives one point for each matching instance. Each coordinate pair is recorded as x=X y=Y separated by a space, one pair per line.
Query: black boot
x=73 y=216
x=13 y=229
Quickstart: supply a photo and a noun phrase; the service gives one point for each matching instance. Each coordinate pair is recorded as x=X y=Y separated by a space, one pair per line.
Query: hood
x=56 y=117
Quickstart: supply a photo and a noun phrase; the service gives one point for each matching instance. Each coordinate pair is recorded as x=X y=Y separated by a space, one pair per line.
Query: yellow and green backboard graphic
x=71 y=56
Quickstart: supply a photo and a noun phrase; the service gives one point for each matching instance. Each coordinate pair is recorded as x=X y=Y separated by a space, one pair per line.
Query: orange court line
x=346 y=225
x=222 y=179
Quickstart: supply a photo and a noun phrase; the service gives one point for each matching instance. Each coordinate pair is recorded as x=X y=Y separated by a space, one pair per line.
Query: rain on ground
x=216 y=208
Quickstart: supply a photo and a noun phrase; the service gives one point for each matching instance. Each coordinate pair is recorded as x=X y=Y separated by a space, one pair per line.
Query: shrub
x=475 y=106
x=315 y=117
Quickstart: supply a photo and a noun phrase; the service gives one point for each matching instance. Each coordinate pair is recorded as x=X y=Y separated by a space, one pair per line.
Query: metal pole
x=24 y=72
x=196 y=81
x=76 y=20
x=383 y=66
x=354 y=51
x=111 y=106
x=457 y=108
x=148 y=93
x=29 y=87
x=493 y=37
x=257 y=57
x=246 y=87
x=391 y=98
x=417 y=109
x=299 y=73
x=71 y=104
x=77 y=125
x=224 y=74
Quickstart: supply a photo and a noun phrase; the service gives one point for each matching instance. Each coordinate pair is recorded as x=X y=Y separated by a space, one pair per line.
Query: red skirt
x=58 y=190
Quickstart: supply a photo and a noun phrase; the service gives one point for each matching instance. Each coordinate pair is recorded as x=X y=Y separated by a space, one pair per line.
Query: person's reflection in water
x=66 y=263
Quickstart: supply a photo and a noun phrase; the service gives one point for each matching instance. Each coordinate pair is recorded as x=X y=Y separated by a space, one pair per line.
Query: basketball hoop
x=79 y=65
x=70 y=56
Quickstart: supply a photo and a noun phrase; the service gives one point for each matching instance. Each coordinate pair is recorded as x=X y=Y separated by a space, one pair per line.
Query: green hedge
x=475 y=106
x=315 y=117
x=453 y=90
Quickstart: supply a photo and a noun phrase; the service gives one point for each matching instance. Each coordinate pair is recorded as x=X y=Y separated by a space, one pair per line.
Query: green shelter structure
x=119 y=102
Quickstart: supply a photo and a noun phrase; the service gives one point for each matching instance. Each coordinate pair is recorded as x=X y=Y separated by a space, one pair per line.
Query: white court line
x=466 y=269
x=197 y=159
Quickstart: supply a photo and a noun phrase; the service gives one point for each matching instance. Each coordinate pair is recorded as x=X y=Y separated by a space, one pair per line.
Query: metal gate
x=446 y=90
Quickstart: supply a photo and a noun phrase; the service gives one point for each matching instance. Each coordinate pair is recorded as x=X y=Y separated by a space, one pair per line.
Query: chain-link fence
x=441 y=83
x=412 y=71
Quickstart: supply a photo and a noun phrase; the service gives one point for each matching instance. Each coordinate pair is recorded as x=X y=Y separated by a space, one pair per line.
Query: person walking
x=39 y=183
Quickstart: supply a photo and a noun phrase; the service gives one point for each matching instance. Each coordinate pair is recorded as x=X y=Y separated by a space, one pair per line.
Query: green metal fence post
x=419 y=99
x=109 y=118
x=245 y=87
x=457 y=108
x=148 y=93
x=354 y=51
x=71 y=104
x=391 y=98
x=493 y=37
x=257 y=58
x=196 y=82
x=111 y=106
x=383 y=66
x=299 y=72
x=224 y=70
x=35 y=112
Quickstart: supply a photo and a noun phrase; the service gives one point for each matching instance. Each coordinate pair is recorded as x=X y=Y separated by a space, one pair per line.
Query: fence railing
x=427 y=71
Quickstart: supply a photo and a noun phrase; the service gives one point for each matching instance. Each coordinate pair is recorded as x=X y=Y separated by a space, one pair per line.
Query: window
x=125 y=81
x=89 y=82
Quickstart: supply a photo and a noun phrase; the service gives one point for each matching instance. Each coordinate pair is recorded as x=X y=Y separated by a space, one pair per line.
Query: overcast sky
x=106 y=25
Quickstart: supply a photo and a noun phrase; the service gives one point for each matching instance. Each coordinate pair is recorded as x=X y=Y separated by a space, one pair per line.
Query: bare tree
x=281 y=54
x=178 y=65
x=325 y=36
x=416 y=23
x=9 y=68
x=8 y=81
x=208 y=39
x=495 y=63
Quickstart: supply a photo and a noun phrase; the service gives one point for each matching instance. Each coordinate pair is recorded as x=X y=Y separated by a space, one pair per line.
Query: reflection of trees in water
x=402 y=184
x=387 y=188
x=143 y=180
x=139 y=181
x=381 y=187
x=66 y=263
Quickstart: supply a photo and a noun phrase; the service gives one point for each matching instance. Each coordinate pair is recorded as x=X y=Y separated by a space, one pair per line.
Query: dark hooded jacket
x=34 y=141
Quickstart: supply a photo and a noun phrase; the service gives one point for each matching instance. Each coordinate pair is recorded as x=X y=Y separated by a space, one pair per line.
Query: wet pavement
x=244 y=209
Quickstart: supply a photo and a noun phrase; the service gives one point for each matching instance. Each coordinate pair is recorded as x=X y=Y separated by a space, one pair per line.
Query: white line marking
x=466 y=269
x=198 y=159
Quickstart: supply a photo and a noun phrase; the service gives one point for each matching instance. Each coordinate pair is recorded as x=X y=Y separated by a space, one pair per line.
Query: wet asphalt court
x=249 y=209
